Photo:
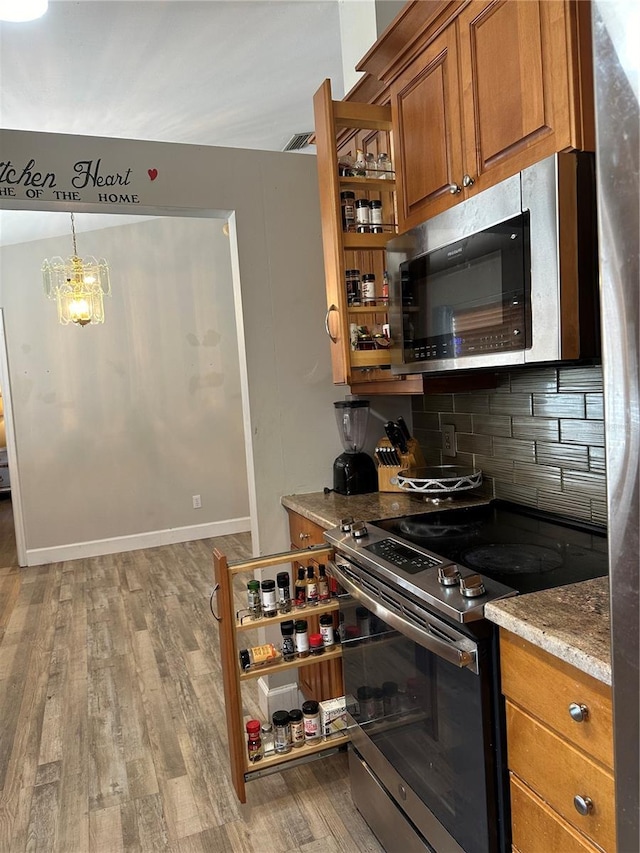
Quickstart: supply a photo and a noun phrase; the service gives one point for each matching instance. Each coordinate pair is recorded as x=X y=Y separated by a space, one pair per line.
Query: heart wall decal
x=153 y=174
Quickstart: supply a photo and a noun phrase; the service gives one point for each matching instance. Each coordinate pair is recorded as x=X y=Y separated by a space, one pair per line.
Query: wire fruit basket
x=439 y=479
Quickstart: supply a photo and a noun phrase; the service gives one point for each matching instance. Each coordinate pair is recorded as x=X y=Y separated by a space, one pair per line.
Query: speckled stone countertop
x=327 y=509
x=570 y=622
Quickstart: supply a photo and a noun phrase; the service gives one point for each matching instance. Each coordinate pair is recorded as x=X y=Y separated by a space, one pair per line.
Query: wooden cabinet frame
x=332 y=117
x=233 y=678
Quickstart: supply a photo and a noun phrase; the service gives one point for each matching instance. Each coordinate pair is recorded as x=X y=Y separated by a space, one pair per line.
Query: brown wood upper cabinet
x=502 y=86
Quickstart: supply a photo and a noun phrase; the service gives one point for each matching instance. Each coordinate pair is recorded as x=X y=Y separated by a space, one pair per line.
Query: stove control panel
x=402 y=557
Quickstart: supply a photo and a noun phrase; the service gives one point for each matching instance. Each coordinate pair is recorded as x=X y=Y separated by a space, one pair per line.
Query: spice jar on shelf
x=311 y=715
x=254 y=742
x=301 y=638
x=253 y=599
x=283 y=597
x=296 y=722
x=362 y=215
x=268 y=742
x=369 y=289
x=352 y=280
x=281 y=731
x=385 y=167
x=348 y=210
x=268 y=591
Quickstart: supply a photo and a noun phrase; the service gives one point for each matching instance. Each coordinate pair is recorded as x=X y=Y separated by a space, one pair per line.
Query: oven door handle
x=461 y=653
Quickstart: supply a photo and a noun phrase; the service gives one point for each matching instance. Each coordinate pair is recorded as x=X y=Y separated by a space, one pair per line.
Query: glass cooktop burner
x=512 y=559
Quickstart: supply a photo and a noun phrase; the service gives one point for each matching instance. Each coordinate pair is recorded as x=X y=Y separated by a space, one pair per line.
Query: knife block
x=413 y=458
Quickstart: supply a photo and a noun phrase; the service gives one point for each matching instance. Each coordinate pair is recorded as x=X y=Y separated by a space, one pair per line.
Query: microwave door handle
x=446 y=650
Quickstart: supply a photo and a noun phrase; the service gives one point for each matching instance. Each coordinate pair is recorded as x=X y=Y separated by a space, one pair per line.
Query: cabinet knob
x=579 y=713
x=326 y=323
x=303 y=536
x=454 y=189
x=467 y=181
x=584 y=805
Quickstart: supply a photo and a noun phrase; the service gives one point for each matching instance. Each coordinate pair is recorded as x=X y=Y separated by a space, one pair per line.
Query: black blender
x=354 y=472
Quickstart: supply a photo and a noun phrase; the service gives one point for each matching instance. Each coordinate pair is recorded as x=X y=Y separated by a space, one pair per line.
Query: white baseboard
x=170 y=536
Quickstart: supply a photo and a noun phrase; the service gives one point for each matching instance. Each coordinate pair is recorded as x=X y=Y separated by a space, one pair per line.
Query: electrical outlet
x=197 y=502
x=448 y=440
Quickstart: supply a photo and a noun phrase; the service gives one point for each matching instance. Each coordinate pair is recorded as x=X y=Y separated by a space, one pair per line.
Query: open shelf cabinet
x=231 y=628
x=340 y=127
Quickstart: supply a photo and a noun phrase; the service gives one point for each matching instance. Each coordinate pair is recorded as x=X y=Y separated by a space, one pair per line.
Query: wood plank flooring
x=112 y=731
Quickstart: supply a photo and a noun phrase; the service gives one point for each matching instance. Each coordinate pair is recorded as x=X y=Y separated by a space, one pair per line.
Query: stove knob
x=345 y=523
x=472 y=586
x=359 y=530
x=448 y=575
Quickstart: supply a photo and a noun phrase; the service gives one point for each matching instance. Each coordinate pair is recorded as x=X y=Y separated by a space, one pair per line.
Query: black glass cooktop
x=525 y=549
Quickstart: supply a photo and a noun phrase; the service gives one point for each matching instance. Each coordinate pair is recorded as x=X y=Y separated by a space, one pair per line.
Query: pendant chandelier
x=77 y=285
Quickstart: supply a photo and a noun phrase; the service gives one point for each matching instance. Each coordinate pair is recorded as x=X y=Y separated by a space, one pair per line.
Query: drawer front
x=538 y=829
x=558 y=772
x=304 y=532
x=547 y=687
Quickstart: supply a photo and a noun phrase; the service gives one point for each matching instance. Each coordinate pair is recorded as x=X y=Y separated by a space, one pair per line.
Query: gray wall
x=277 y=269
x=538 y=438
x=117 y=426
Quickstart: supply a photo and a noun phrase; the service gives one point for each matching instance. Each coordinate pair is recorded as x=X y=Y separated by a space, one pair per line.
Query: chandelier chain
x=73 y=236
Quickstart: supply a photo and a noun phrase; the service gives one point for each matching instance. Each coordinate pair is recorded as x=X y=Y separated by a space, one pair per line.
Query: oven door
x=420 y=701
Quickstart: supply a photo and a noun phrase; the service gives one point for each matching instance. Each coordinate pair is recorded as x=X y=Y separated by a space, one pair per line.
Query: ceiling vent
x=298 y=141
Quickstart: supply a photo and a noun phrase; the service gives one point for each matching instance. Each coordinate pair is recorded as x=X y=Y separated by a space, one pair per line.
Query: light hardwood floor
x=112 y=731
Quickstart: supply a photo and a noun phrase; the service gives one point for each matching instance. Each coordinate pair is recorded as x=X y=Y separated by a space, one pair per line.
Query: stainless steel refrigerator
x=616 y=41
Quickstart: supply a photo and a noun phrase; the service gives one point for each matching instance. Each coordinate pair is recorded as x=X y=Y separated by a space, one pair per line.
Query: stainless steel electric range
x=421 y=665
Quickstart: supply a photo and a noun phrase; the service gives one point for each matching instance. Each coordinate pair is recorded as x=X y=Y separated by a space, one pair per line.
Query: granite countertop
x=327 y=509
x=570 y=622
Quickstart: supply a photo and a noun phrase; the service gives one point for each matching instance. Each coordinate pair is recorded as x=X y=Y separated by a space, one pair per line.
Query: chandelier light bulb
x=78 y=286
x=19 y=11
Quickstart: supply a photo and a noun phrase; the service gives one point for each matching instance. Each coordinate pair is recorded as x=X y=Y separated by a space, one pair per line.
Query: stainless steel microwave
x=507 y=277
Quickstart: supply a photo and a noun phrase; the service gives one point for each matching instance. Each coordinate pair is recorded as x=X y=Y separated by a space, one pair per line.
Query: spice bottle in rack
x=301 y=638
x=254 y=742
x=323 y=584
x=369 y=289
x=297 y=727
x=268 y=590
x=288 y=646
x=283 y=598
x=253 y=598
x=312 y=587
x=348 y=209
x=300 y=589
x=385 y=167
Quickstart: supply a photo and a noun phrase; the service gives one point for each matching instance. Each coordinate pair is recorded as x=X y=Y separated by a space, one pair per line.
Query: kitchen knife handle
x=399 y=440
x=403 y=427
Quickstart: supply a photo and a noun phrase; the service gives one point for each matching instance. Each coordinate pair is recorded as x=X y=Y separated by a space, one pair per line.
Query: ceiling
x=239 y=74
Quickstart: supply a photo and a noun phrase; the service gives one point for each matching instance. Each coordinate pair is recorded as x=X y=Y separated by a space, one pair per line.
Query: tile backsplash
x=538 y=438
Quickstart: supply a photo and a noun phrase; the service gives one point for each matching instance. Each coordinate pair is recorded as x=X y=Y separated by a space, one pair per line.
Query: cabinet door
x=517 y=94
x=425 y=106
x=336 y=319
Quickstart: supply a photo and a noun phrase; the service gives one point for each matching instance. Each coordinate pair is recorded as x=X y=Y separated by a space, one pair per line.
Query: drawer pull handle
x=579 y=713
x=584 y=805
x=303 y=536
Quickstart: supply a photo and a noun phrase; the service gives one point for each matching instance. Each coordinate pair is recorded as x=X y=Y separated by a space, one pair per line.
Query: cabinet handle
x=326 y=323
x=584 y=805
x=211 y=597
x=579 y=713
x=454 y=189
x=467 y=181
x=303 y=536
